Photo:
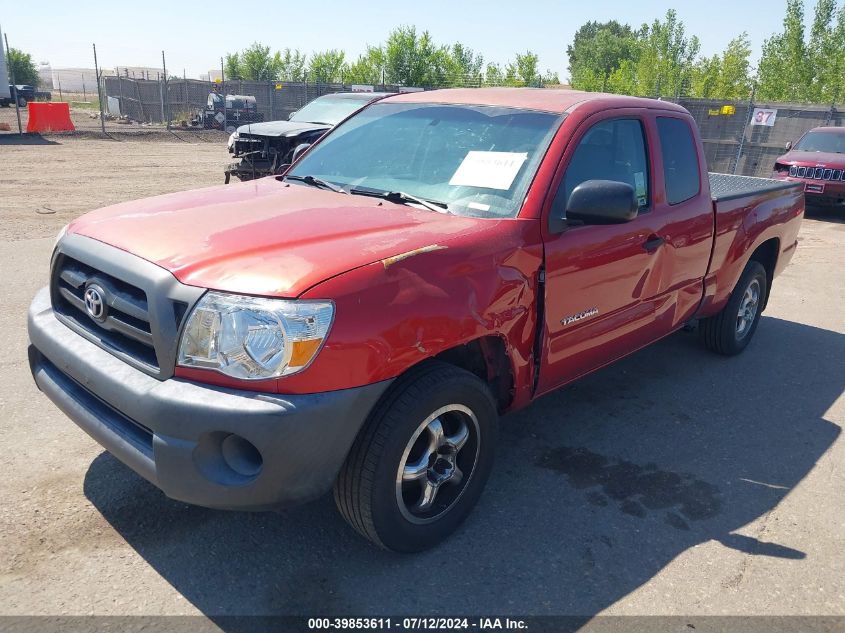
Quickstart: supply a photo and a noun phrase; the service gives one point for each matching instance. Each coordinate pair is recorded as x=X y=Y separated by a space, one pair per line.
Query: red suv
x=817 y=160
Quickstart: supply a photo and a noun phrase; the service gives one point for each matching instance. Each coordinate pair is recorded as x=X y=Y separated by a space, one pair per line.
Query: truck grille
x=126 y=327
x=144 y=306
x=816 y=173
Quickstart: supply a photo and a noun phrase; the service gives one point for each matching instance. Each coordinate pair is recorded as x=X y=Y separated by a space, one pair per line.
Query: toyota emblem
x=95 y=302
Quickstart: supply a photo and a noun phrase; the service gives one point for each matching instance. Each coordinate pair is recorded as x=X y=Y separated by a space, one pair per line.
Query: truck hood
x=281 y=128
x=814 y=159
x=267 y=237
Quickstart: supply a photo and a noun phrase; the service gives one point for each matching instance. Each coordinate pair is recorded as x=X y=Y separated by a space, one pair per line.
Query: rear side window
x=610 y=150
x=680 y=160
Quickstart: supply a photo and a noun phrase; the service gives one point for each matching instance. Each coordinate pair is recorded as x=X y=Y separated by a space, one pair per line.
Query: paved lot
x=674 y=482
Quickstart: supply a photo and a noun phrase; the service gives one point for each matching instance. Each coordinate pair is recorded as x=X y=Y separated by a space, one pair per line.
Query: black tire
x=369 y=491
x=22 y=102
x=724 y=333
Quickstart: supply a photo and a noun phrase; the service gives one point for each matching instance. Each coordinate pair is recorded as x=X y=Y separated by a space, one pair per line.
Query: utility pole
x=165 y=101
x=99 y=91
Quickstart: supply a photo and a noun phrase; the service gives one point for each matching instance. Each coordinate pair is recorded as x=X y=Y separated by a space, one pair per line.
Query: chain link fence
x=742 y=137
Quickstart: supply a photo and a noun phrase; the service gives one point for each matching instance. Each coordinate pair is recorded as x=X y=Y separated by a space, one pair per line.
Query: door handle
x=653 y=242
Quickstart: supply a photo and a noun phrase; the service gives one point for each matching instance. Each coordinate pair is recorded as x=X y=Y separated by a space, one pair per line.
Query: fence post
x=140 y=102
x=12 y=77
x=119 y=92
x=223 y=88
x=831 y=111
x=165 y=102
x=271 y=90
x=161 y=96
x=99 y=90
x=185 y=84
x=745 y=128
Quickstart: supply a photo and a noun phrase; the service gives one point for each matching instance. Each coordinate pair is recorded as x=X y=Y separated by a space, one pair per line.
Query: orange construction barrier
x=49 y=117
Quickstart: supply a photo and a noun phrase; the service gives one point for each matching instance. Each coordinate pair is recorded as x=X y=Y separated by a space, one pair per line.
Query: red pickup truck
x=359 y=323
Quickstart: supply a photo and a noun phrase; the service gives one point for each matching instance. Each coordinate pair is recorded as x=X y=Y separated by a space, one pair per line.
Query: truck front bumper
x=205 y=445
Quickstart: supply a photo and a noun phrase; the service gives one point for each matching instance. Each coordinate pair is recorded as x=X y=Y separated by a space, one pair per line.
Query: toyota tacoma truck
x=817 y=162
x=359 y=323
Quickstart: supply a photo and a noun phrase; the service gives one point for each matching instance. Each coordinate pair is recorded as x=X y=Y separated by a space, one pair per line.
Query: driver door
x=602 y=281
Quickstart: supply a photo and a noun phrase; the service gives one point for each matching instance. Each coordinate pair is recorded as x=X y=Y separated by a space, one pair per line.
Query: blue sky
x=195 y=34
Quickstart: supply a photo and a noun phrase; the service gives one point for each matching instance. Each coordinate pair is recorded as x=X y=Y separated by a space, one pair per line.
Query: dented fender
x=396 y=312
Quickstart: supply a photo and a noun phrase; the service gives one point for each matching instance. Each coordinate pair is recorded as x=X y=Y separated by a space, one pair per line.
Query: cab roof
x=555 y=100
x=829 y=128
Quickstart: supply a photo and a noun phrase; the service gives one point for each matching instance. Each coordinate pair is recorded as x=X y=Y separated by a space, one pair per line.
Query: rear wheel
x=419 y=465
x=730 y=331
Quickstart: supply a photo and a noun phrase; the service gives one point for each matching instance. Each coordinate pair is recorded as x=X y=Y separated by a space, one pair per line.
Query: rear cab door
x=611 y=289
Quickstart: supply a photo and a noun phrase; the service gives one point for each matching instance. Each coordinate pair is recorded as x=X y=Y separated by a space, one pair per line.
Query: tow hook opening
x=227 y=459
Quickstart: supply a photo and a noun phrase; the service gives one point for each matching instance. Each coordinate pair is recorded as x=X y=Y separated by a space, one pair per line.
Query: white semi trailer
x=5 y=93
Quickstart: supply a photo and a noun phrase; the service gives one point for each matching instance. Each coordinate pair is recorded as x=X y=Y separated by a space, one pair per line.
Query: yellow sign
x=728 y=110
x=278 y=86
x=713 y=112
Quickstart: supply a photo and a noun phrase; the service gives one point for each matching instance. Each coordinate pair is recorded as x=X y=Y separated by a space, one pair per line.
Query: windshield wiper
x=401 y=197
x=317 y=182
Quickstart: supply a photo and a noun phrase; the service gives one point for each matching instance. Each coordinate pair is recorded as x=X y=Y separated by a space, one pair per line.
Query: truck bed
x=725 y=187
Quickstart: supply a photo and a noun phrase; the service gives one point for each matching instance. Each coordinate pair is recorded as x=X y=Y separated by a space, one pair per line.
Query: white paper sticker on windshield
x=491 y=170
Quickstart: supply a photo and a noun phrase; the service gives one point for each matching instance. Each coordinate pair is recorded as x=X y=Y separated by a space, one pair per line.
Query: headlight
x=253 y=338
x=230 y=144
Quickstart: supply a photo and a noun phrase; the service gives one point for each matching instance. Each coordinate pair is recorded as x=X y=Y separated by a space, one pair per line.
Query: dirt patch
x=59 y=177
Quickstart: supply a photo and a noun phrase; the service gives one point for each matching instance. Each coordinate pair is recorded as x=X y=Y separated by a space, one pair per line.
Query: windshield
x=820 y=141
x=328 y=110
x=477 y=159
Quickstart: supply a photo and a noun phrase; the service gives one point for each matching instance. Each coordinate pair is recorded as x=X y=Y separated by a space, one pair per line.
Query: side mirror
x=299 y=151
x=788 y=145
x=290 y=116
x=597 y=202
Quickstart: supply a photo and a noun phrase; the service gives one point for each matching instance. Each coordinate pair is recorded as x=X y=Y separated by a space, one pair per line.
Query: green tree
x=826 y=53
x=256 y=63
x=725 y=76
x=412 y=59
x=493 y=75
x=523 y=70
x=291 y=65
x=550 y=78
x=597 y=51
x=22 y=68
x=665 y=57
x=232 y=66
x=368 y=68
x=464 y=66
x=783 y=72
x=327 y=67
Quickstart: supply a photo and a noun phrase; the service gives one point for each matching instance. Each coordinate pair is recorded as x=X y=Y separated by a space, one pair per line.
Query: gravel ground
x=674 y=482
x=58 y=177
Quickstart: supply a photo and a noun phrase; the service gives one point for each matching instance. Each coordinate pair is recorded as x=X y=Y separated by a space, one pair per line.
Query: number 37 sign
x=763 y=116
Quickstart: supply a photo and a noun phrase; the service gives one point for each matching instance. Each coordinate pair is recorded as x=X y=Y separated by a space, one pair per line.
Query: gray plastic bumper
x=179 y=434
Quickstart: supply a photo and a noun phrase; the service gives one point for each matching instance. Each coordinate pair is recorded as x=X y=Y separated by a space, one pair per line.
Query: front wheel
x=730 y=331
x=419 y=465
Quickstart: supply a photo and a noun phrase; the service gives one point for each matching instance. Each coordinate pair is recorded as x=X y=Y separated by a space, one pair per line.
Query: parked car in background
x=24 y=94
x=817 y=160
x=228 y=114
x=360 y=323
x=268 y=148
